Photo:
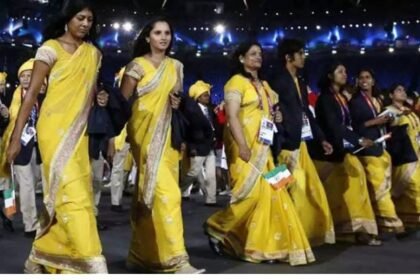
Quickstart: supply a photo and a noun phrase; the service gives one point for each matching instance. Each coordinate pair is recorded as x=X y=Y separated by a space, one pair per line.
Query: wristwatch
x=360 y=141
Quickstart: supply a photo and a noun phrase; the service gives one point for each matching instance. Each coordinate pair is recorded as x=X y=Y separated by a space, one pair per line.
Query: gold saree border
x=143 y=90
x=390 y=224
x=79 y=265
x=293 y=257
x=403 y=181
x=259 y=161
x=157 y=145
x=357 y=225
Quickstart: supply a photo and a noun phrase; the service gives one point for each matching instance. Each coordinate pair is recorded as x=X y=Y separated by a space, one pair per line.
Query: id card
x=306 y=129
x=28 y=133
x=267 y=129
x=347 y=144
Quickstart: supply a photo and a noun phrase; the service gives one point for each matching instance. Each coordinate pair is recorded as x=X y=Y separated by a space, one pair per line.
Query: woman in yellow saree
x=341 y=173
x=152 y=80
x=405 y=151
x=366 y=122
x=261 y=223
x=68 y=241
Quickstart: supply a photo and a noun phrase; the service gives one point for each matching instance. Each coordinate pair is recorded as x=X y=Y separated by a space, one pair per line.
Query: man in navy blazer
x=300 y=127
x=201 y=141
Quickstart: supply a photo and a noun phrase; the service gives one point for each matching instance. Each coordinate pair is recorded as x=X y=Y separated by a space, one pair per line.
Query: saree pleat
x=309 y=196
x=260 y=223
x=348 y=196
x=378 y=175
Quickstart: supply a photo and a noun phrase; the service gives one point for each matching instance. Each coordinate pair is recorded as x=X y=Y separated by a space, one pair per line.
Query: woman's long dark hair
x=237 y=66
x=141 y=46
x=56 y=26
x=325 y=82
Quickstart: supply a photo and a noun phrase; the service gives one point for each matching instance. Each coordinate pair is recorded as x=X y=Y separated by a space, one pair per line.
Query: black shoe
x=118 y=209
x=270 y=261
x=211 y=204
x=30 y=234
x=101 y=227
x=215 y=247
x=7 y=223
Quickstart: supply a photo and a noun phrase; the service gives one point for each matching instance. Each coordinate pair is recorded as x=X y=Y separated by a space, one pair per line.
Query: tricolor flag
x=10 y=200
x=279 y=177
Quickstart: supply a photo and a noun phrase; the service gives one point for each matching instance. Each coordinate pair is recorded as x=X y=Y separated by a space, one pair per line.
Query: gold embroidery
x=47 y=55
x=259 y=161
x=88 y=265
x=233 y=96
x=134 y=70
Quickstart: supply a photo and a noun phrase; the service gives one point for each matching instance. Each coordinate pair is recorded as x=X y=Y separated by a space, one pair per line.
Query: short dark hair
x=141 y=46
x=288 y=46
x=56 y=27
x=237 y=66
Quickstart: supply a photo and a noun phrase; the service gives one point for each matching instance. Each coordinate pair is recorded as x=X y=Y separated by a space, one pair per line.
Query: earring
x=148 y=41
x=241 y=60
x=66 y=28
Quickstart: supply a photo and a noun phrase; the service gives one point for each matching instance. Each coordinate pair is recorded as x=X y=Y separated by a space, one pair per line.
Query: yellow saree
x=5 y=140
x=309 y=196
x=68 y=241
x=157 y=230
x=348 y=196
x=378 y=176
x=260 y=223
x=406 y=177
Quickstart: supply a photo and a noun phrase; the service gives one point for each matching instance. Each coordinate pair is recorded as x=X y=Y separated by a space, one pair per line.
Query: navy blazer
x=361 y=112
x=24 y=157
x=292 y=108
x=201 y=136
x=329 y=115
x=400 y=147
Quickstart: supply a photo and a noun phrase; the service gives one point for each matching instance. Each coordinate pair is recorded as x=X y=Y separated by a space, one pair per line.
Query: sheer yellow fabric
x=406 y=178
x=378 y=176
x=348 y=196
x=68 y=240
x=157 y=229
x=309 y=196
x=260 y=223
x=5 y=140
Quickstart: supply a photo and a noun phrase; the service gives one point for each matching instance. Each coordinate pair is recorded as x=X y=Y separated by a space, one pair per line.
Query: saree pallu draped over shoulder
x=157 y=240
x=68 y=241
x=261 y=223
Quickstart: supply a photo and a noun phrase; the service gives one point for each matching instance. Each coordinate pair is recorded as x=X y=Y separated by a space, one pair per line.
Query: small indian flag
x=10 y=200
x=279 y=177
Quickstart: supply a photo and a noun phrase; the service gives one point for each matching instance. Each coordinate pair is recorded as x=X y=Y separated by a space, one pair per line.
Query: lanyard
x=370 y=103
x=260 y=101
x=345 y=111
